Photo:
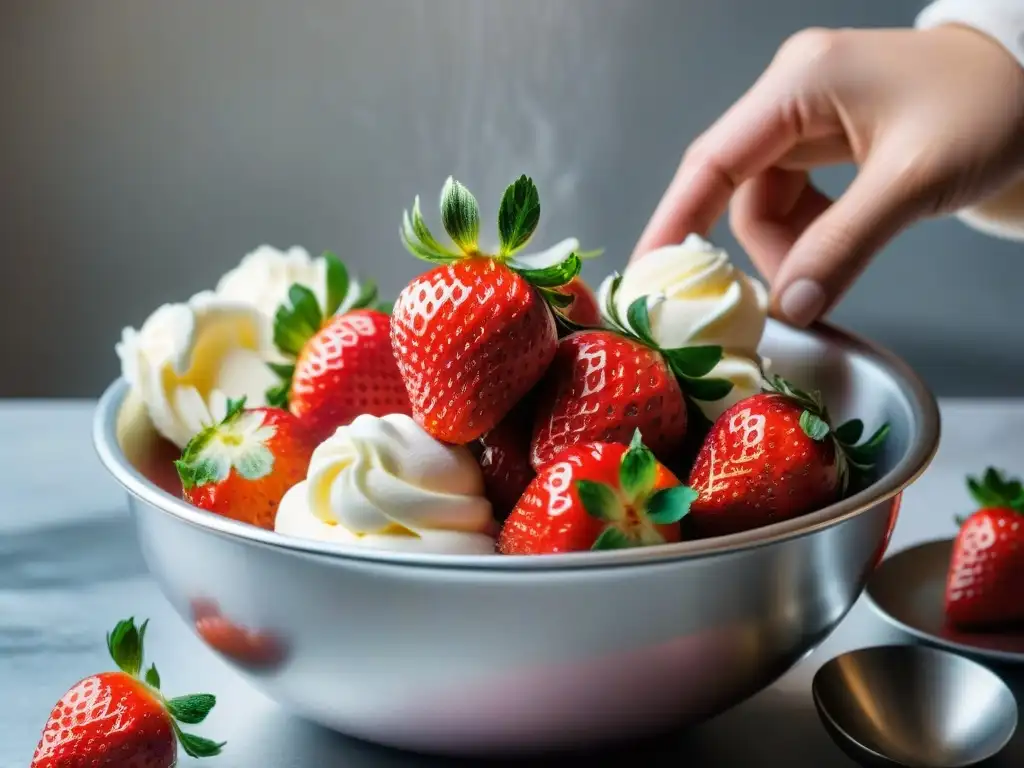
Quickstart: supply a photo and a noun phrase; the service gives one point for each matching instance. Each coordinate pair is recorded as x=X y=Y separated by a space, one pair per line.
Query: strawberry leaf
x=297 y=320
x=125 y=646
x=707 y=390
x=599 y=501
x=460 y=215
x=558 y=300
x=613 y=538
x=277 y=396
x=550 y=276
x=191 y=709
x=235 y=407
x=670 y=505
x=996 y=490
x=637 y=470
x=419 y=241
x=640 y=321
x=282 y=370
x=518 y=215
x=367 y=295
x=197 y=746
x=153 y=677
x=238 y=442
x=693 y=362
x=387 y=307
x=813 y=426
x=850 y=432
x=337 y=283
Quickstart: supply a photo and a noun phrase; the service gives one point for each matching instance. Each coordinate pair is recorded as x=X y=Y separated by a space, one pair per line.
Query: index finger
x=754 y=133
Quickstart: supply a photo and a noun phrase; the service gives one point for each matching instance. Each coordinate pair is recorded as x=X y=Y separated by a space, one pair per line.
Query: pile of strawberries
x=582 y=428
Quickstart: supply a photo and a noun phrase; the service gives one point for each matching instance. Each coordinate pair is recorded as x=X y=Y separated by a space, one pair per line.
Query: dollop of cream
x=187 y=359
x=384 y=482
x=263 y=277
x=696 y=296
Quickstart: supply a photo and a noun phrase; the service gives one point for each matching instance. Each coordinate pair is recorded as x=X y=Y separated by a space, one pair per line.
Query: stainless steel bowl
x=477 y=654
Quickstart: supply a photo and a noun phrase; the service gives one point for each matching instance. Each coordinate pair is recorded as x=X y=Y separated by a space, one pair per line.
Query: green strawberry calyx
x=632 y=510
x=125 y=645
x=995 y=490
x=691 y=365
x=238 y=443
x=518 y=216
x=301 y=317
x=855 y=460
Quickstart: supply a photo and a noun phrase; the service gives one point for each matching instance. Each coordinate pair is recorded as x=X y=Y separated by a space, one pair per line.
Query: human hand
x=934 y=119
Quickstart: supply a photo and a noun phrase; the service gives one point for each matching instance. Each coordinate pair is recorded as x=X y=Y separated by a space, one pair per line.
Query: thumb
x=837 y=246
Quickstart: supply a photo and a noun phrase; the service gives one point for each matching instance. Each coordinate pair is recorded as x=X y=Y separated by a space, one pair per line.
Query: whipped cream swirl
x=698 y=297
x=385 y=482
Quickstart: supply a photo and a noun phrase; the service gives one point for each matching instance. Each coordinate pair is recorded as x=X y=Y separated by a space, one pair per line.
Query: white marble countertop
x=70 y=568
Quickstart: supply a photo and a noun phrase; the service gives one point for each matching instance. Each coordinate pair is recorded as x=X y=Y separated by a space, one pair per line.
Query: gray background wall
x=146 y=146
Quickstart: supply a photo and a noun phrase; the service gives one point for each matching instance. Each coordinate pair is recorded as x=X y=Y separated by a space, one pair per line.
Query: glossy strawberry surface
x=345 y=370
x=107 y=720
x=986 y=571
x=505 y=458
x=758 y=466
x=602 y=387
x=471 y=339
x=552 y=516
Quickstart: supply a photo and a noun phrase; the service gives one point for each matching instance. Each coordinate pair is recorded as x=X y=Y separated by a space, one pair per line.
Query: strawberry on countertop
x=121 y=719
x=597 y=496
x=605 y=384
x=473 y=335
x=986 y=572
x=242 y=467
x=775 y=456
x=340 y=365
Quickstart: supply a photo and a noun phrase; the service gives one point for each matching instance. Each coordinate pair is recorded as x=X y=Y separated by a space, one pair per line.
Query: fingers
x=790 y=103
x=836 y=245
x=770 y=212
x=750 y=137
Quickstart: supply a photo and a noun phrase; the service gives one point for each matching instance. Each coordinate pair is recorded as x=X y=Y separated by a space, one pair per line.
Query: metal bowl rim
x=924 y=443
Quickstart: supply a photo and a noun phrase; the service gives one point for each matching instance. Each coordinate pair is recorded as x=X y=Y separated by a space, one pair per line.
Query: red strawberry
x=119 y=720
x=602 y=387
x=986 y=573
x=342 y=364
x=597 y=496
x=605 y=384
x=242 y=467
x=584 y=308
x=772 y=457
x=474 y=335
x=505 y=459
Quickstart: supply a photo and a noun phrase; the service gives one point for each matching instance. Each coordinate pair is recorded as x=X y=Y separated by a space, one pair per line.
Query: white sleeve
x=1003 y=20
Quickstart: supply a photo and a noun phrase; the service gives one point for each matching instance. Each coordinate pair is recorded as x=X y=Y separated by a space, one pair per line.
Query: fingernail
x=803 y=301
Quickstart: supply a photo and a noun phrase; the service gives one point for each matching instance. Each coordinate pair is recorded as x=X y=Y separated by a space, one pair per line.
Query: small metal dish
x=911 y=705
x=908 y=591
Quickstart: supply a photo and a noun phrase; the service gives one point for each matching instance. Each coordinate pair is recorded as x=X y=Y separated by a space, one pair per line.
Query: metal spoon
x=909 y=705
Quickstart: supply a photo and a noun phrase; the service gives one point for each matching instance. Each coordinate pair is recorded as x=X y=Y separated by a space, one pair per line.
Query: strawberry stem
x=518 y=216
x=126 y=646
